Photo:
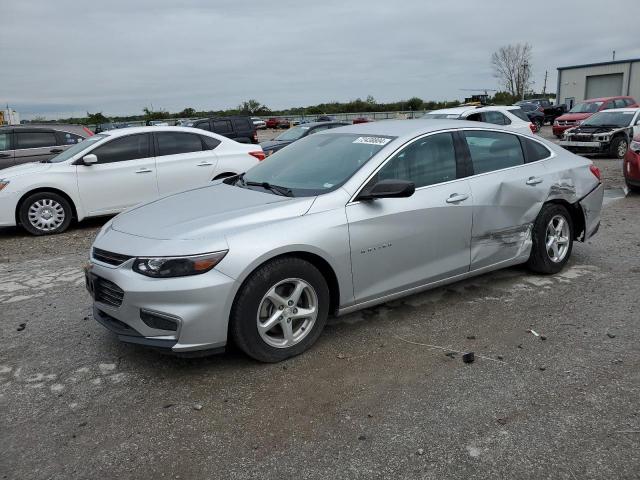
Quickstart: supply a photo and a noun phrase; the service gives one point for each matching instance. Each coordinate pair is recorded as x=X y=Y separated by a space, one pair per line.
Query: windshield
x=610 y=119
x=317 y=164
x=586 y=107
x=77 y=148
x=292 y=134
x=440 y=116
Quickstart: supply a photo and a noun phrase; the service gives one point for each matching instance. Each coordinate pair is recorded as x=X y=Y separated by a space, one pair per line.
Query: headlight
x=556 y=123
x=3 y=183
x=167 y=267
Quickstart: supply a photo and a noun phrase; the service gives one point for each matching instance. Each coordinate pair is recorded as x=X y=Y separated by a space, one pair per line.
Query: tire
x=539 y=123
x=632 y=188
x=254 y=306
x=45 y=213
x=619 y=147
x=540 y=260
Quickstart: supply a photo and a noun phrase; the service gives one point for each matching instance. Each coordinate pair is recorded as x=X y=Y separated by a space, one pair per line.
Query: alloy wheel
x=287 y=313
x=557 y=238
x=622 y=149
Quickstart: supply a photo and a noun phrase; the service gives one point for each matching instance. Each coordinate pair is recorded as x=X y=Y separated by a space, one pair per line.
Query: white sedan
x=512 y=117
x=115 y=170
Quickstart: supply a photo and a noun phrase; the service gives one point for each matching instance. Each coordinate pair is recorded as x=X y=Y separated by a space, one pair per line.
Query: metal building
x=605 y=79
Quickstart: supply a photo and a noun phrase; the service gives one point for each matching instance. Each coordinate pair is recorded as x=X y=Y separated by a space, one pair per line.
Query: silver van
x=34 y=143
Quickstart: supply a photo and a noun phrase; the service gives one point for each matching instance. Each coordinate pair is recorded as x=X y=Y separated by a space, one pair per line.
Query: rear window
x=493 y=150
x=173 y=143
x=242 y=124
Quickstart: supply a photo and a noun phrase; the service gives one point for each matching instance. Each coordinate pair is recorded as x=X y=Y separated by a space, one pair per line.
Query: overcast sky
x=117 y=56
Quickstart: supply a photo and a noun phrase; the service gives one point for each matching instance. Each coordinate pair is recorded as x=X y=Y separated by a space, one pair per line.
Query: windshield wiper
x=284 y=191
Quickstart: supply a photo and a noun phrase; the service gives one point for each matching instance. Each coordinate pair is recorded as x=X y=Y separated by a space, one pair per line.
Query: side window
x=518 y=112
x=608 y=105
x=426 y=161
x=5 y=141
x=173 y=143
x=628 y=102
x=620 y=103
x=66 y=138
x=493 y=150
x=209 y=142
x=35 y=139
x=534 y=151
x=474 y=117
x=124 y=148
x=496 y=118
x=222 y=126
x=203 y=125
x=242 y=124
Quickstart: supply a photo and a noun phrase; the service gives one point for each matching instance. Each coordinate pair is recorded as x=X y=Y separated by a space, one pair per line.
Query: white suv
x=512 y=117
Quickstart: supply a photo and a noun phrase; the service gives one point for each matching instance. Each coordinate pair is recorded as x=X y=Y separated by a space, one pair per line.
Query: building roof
x=613 y=62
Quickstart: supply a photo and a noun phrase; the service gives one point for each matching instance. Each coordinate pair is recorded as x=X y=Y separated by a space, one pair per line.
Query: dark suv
x=240 y=129
x=34 y=143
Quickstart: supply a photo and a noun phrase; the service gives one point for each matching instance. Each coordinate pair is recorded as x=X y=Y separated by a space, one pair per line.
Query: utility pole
x=524 y=78
x=544 y=87
x=614 y=55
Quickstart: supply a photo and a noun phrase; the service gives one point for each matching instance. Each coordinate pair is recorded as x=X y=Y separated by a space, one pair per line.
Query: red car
x=277 y=123
x=631 y=165
x=361 y=120
x=584 y=110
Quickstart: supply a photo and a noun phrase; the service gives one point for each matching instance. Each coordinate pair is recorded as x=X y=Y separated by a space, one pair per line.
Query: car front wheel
x=619 y=147
x=280 y=310
x=552 y=240
x=45 y=213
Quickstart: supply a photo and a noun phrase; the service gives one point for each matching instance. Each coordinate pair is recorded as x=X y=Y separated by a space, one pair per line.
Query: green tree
x=155 y=115
x=414 y=103
x=96 y=118
x=187 y=112
x=250 y=107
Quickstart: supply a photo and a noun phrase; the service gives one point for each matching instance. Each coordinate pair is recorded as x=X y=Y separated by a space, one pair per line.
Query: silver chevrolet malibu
x=338 y=221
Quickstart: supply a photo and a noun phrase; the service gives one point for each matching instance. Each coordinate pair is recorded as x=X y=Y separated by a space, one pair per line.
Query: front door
x=6 y=152
x=401 y=243
x=125 y=175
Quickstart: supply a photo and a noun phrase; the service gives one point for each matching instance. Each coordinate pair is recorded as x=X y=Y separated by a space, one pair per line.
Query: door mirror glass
x=388 y=189
x=90 y=159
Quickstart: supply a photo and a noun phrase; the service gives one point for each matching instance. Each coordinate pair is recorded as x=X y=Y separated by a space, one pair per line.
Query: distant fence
x=348 y=117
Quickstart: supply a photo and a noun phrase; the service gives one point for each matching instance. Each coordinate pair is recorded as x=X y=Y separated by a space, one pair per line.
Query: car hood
x=24 y=169
x=274 y=144
x=207 y=213
x=574 y=116
x=592 y=129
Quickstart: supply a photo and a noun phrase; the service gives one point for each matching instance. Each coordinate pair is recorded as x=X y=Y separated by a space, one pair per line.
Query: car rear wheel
x=280 y=310
x=552 y=240
x=45 y=213
x=619 y=147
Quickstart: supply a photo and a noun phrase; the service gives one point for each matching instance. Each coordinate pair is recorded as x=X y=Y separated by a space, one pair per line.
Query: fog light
x=159 y=321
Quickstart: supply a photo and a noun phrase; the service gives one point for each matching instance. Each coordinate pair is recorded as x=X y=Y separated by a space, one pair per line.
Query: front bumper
x=584 y=147
x=558 y=130
x=8 y=204
x=631 y=168
x=198 y=304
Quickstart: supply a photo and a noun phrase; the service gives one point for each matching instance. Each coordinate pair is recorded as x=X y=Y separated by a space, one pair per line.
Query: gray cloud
x=118 y=56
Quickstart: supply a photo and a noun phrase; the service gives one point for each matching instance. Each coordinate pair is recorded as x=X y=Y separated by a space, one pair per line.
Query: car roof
x=60 y=127
x=407 y=129
x=317 y=124
x=626 y=109
x=119 y=132
x=603 y=99
x=488 y=108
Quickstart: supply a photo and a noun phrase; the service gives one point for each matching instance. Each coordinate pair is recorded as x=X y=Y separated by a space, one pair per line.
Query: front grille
x=107 y=292
x=111 y=258
x=566 y=122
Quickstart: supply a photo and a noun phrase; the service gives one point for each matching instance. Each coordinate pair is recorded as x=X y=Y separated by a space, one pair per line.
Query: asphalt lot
x=382 y=395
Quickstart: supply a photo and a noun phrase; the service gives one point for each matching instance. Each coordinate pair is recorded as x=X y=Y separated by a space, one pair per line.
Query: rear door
x=34 y=145
x=125 y=175
x=403 y=243
x=508 y=193
x=6 y=150
x=183 y=161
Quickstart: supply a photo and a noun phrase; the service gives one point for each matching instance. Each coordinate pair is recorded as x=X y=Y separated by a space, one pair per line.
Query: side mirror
x=89 y=159
x=388 y=189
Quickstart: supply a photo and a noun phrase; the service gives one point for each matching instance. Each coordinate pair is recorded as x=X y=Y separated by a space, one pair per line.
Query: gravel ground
x=384 y=394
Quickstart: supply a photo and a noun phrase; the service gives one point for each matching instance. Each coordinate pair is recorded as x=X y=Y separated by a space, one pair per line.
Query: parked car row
x=512 y=117
x=296 y=133
x=583 y=110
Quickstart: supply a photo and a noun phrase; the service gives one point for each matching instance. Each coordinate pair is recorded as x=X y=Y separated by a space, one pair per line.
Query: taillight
x=596 y=171
x=88 y=132
x=533 y=127
x=259 y=155
x=540 y=109
x=255 y=137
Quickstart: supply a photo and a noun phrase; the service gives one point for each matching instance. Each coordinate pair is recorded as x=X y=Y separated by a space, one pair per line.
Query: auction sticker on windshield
x=372 y=140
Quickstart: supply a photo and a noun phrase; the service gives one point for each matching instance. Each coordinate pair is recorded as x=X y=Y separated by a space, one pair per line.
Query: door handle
x=456 y=197
x=534 y=181
x=56 y=150
x=204 y=164
x=144 y=170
